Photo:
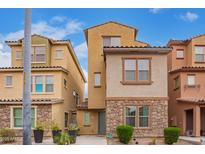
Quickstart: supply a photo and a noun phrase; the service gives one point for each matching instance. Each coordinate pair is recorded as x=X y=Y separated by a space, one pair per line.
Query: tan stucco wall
x=93 y=127
x=96 y=96
x=158 y=75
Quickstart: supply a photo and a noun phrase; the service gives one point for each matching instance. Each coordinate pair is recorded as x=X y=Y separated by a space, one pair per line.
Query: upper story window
x=137 y=70
x=180 y=54
x=111 y=41
x=19 y=54
x=42 y=84
x=8 y=81
x=199 y=54
x=65 y=83
x=38 y=54
x=97 y=79
x=58 y=54
x=191 y=80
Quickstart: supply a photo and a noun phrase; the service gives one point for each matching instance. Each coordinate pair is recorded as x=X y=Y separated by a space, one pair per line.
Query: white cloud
x=190 y=17
x=155 y=10
x=81 y=50
x=57 y=19
x=5 y=58
x=42 y=28
x=86 y=84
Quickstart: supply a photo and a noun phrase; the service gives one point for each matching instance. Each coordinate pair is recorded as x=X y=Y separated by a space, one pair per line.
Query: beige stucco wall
x=93 y=127
x=96 y=96
x=158 y=75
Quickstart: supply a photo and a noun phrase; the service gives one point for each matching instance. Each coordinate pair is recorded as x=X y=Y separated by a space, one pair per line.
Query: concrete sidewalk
x=193 y=140
x=90 y=140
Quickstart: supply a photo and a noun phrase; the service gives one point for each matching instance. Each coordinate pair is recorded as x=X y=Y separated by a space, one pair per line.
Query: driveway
x=91 y=140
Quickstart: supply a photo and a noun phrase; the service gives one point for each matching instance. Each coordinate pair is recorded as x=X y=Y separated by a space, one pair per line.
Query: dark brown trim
x=137 y=81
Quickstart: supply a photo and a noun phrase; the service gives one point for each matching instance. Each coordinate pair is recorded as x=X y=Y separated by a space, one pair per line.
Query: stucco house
x=57 y=84
x=186 y=66
x=127 y=83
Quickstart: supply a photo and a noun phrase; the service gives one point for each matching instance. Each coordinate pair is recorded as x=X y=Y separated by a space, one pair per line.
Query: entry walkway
x=193 y=140
x=90 y=140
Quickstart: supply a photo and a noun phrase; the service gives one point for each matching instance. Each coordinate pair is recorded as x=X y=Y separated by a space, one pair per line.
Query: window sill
x=42 y=93
x=136 y=83
x=97 y=86
x=38 y=62
x=86 y=125
x=8 y=86
x=200 y=62
x=142 y=128
x=180 y=58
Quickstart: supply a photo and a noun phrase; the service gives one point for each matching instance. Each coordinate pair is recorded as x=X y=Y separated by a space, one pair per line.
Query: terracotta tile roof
x=34 y=101
x=50 y=39
x=48 y=68
x=192 y=100
x=188 y=69
x=183 y=42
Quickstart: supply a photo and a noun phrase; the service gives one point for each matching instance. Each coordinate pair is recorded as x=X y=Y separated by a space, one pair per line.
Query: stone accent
x=44 y=116
x=158 y=116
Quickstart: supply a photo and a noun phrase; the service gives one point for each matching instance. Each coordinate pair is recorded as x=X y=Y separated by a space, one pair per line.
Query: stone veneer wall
x=158 y=116
x=44 y=115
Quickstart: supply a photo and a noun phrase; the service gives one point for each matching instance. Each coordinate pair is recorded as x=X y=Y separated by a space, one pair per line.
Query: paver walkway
x=91 y=140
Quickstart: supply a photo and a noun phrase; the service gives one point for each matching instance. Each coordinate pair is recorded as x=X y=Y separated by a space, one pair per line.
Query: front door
x=101 y=123
x=189 y=122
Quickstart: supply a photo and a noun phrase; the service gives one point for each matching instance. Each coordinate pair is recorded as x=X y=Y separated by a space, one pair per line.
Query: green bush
x=7 y=135
x=124 y=133
x=63 y=139
x=171 y=134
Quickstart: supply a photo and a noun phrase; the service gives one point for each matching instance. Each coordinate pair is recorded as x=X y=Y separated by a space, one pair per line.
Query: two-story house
x=127 y=83
x=57 y=84
x=186 y=66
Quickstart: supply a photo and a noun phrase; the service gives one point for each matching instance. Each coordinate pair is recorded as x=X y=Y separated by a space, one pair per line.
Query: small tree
x=124 y=133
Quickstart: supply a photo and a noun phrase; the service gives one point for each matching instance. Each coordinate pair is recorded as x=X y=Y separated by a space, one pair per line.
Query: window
x=58 y=54
x=137 y=70
x=130 y=70
x=39 y=84
x=65 y=83
x=199 y=54
x=191 y=80
x=144 y=116
x=49 y=83
x=176 y=83
x=180 y=54
x=19 y=55
x=130 y=115
x=97 y=78
x=18 y=117
x=66 y=119
x=111 y=41
x=86 y=118
x=9 y=81
x=40 y=54
x=143 y=69
x=31 y=84
x=32 y=54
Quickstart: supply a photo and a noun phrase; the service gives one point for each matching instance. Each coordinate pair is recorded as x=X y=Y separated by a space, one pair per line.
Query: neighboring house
x=57 y=84
x=127 y=83
x=186 y=65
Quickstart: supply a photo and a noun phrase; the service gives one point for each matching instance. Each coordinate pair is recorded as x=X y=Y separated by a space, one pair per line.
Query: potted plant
x=55 y=131
x=73 y=130
x=38 y=133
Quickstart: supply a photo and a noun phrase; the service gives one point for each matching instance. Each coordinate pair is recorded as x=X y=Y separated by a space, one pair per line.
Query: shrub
x=171 y=135
x=7 y=135
x=54 y=126
x=124 y=133
x=62 y=139
x=39 y=126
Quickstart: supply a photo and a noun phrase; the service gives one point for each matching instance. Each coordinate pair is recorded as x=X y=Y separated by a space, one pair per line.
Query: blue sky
x=156 y=26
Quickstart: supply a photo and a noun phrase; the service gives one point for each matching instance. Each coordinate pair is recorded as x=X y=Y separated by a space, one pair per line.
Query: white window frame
x=5 y=82
x=19 y=53
x=97 y=74
x=136 y=111
x=56 y=55
x=12 y=116
x=112 y=40
x=180 y=54
x=198 y=53
x=148 y=116
x=193 y=76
